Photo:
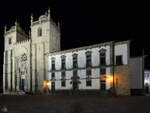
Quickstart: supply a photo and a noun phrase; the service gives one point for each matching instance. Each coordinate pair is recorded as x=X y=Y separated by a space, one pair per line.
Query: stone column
x=33 y=68
x=17 y=74
x=4 y=73
x=18 y=81
x=9 y=70
x=28 y=72
x=13 y=71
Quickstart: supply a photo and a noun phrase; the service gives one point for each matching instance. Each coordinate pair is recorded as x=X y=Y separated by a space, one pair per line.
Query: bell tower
x=45 y=37
x=11 y=37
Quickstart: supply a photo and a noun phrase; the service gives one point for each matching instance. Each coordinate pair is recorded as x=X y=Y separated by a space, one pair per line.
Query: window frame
x=75 y=61
x=88 y=72
x=9 y=41
x=120 y=60
x=53 y=75
x=102 y=71
x=102 y=58
x=39 y=32
x=53 y=64
x=88 y=83
x=63 y=81
x=63 y=63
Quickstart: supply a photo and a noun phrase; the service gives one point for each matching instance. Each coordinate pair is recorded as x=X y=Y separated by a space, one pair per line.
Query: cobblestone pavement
x=75 y=104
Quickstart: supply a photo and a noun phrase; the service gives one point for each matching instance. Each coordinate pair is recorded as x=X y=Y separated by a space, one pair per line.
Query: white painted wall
x=120 y=49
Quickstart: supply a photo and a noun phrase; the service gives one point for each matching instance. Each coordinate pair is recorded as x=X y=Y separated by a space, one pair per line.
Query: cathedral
x=35 y=63
x=25 y=62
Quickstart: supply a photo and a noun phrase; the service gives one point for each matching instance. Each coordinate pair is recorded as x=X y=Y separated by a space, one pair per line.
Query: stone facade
x=25 y=65
x=35 y=63
x=122 y=80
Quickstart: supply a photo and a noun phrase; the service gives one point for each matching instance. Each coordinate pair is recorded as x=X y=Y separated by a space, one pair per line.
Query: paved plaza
x=75 y=104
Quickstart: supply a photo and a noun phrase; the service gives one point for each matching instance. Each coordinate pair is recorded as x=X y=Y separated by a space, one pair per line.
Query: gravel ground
x=75 y=104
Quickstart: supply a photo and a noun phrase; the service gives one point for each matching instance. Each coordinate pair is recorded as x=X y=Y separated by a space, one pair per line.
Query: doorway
x=103 y=85
x=75 y=85
x=53 y=87
x=22 y=84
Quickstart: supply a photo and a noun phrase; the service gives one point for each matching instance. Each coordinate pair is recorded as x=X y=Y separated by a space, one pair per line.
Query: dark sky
x=85 y=22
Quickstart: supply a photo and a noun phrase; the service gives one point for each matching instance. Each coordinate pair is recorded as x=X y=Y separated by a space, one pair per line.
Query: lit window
x=39 y=32
x=9 y=41
x=119 y=60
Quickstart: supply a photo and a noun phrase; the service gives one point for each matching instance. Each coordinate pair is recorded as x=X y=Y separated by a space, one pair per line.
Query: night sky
x=85 y=22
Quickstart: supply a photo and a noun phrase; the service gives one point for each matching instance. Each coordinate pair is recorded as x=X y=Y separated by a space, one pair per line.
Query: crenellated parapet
x=16 y=28
x=24 y=42
x=11 y=30
x=43 y=18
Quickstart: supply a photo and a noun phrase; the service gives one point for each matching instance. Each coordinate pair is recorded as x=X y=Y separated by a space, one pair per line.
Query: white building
x=35 y=63
x=147 y=80
x=88 y=68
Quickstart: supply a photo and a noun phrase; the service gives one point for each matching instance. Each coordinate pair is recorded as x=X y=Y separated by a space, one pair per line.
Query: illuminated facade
x=91 y=68
x=147 y=80
x=36 y=64
x=25 y=65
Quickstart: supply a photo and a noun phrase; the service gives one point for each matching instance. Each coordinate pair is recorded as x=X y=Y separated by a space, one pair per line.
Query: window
x=39 y=32
x=88 y=83
x=103 y=85
x=63 y=74
x=88 y=59
x=53 y=75
x=102 y=71
x=53 y=64
x=88 y=80
x=88 y=72
x=63 y=81
x=102 y=58
x=75 y=73
x=63 y=62
x=119 y=60
x=75 y=63
x=9 y=41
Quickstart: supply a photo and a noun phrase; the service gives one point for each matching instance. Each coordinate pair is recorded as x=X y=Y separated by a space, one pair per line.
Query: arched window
x=39 y=32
